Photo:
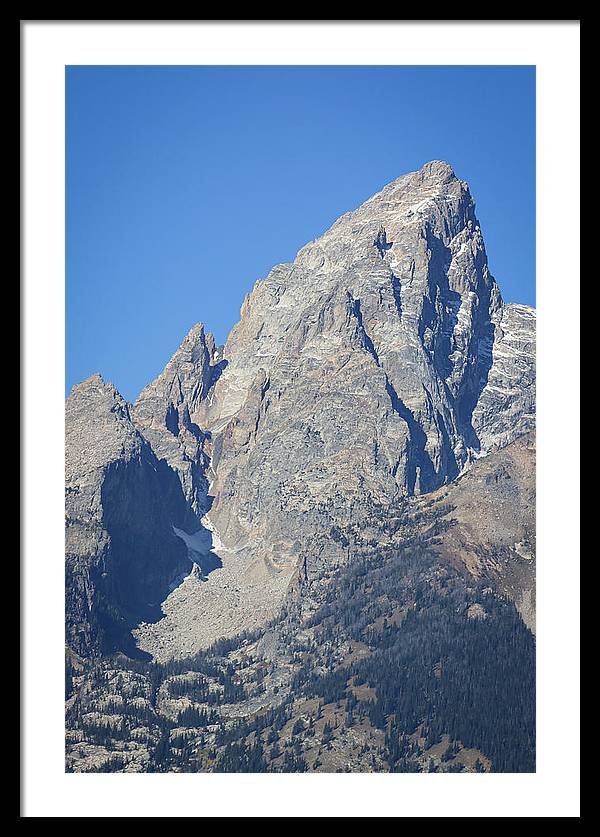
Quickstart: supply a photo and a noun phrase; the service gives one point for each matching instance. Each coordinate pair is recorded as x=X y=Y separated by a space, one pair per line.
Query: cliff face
x=163 y=410
x=377 y=365
x=506 y=407
x=121 y=552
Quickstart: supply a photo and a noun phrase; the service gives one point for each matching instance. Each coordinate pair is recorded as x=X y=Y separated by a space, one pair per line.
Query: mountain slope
x=410 y=658
x=490 y=512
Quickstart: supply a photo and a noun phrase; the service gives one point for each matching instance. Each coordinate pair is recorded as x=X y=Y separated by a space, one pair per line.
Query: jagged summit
x=98 y=427
x=95 y=379
x=407 y=199
x=164 y=408
x=435 y=173
x=94 y=383
x=437 y=168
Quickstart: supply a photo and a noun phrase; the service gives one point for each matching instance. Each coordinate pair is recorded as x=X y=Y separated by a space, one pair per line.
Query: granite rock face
x=506 y=406
x=379 y=364
x=121 y=502
x=163 y=409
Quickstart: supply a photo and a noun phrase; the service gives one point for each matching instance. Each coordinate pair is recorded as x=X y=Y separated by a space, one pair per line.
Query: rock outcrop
x=121 y=501
x=163 y=409
x=506 y=407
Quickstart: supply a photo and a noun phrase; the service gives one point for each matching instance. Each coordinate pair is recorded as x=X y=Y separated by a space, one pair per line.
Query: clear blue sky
x=186 y=184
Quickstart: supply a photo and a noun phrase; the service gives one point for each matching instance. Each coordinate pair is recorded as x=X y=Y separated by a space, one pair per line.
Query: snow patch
x=201 y=542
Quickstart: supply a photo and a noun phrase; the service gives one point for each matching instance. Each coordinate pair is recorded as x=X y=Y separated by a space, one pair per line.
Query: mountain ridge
x=378 y=364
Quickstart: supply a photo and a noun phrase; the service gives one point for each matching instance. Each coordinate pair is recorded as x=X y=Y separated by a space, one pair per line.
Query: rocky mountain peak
x=164 y=409
x=375 y=366
x=437 y=169
x=185 y=379
x=408 y=270
x=98 y=427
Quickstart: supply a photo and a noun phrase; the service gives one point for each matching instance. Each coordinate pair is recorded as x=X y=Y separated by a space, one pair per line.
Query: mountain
x=377 y=393
x=378 y=364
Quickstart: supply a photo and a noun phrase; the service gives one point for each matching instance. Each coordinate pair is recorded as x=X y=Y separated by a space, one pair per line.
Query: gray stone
x=162 y=412
x=506 y=406
x=121 y=552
